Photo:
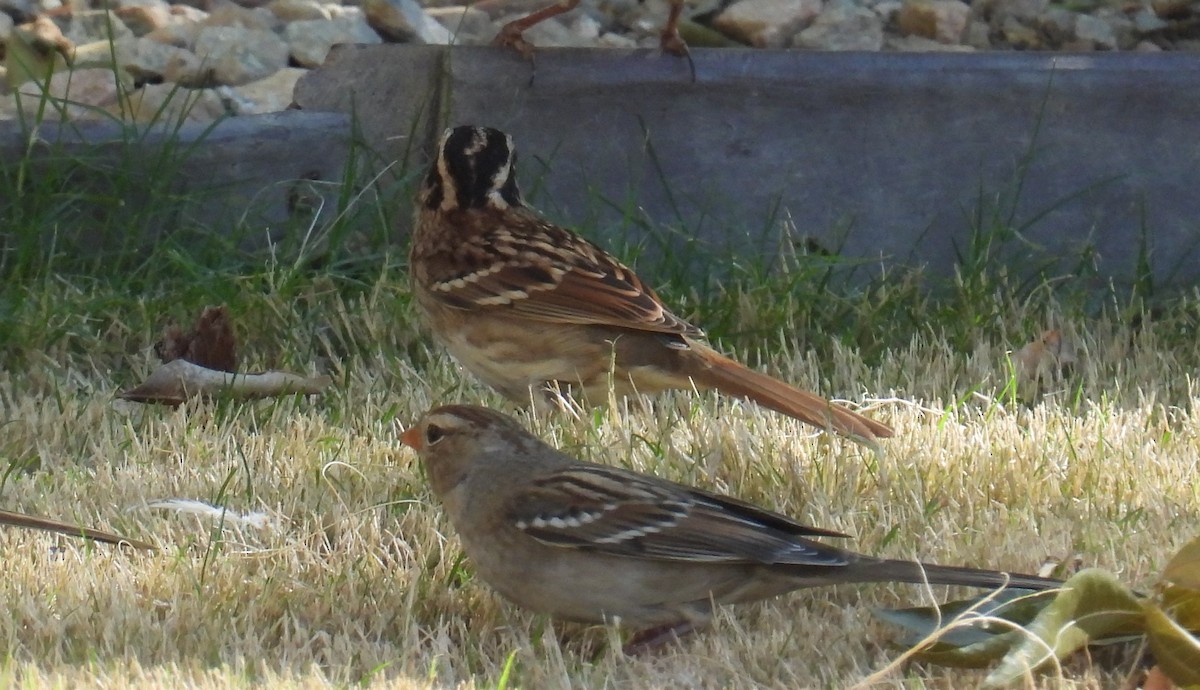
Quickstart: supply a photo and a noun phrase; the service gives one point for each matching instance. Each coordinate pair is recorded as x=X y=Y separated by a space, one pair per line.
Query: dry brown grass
x=360 y=580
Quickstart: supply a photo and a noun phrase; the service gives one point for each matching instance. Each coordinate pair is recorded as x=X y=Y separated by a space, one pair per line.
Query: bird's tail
x=922 y=573
x=727 y=376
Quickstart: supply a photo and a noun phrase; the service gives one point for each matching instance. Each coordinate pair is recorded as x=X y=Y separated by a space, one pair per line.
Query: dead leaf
x=178 y=380
x=211 y=342
x=1157 y=680
x=1047 y=359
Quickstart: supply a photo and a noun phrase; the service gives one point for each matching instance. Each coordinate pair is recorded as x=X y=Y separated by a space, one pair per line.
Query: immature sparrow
x=523 y=304
x=594 y=543
x=30 y=522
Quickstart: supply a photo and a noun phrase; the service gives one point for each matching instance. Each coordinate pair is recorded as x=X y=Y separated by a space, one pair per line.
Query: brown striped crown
x=476 y=167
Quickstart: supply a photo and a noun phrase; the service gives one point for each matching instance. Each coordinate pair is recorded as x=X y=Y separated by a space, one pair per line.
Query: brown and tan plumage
x=523 y=303
x=594 y=543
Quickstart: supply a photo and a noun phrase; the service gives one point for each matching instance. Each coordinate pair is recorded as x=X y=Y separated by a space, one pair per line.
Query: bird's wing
x=543 y=272
x=609 y=510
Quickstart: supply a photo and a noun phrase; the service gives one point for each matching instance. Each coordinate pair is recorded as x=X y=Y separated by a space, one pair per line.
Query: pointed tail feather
x=30 y=522
x=921 y=573
x=732 y=378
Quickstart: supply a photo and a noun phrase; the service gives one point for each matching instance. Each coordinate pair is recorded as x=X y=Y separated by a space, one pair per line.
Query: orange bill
x=411 y=438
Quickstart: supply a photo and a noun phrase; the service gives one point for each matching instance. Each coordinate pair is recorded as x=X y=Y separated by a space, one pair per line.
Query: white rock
x=552 y=33
x=95 y=25
x=144 y=18
x=1146 y=21
x=1095 y=30
x=96 y=86
x=309 y=41
x=404 y=21
x=942 y=20
x=187 y=69
x=187 y=13
x=1058 y=24
x=1121 y=25
x=237 y=55
x=586 y=27
x=229 y=14
x=920 y=44
x=18 y=8
x=85 y=89
x=465 y=24
x=145 y=59
x=1020 y=35
x=766 y=23
x=169 y=103
x=129 y=4
x=611 y=40
x=887 y=9
x=501 y=8
x=269 y=95
x=1000 y=10
x=299 y=10
x=979 y=35
x=178 y=34
x=842 y=26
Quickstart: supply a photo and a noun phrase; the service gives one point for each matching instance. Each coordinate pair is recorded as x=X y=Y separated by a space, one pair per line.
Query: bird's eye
x=433 y=434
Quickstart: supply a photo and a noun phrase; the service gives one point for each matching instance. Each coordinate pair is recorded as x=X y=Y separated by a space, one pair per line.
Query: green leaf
x=967 y=636
x=1176 y=651
x=506 y=673
x=1183 y=605
x=1091 y=605
x=920 y=622
x=978 y=655
x=1184 y=568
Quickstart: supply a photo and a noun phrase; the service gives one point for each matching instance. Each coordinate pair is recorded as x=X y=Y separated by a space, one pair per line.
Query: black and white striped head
x=476 y=167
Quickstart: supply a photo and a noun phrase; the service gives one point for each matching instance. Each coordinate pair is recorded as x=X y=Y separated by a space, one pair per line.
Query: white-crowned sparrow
x=30 y=522
x=593 y=543
x=523 y=304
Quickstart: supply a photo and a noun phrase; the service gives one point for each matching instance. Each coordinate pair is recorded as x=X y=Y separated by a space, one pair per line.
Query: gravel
x=245 y=56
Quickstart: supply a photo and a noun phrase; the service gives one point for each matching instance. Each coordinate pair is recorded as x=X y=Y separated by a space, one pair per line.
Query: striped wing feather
x=604 y=509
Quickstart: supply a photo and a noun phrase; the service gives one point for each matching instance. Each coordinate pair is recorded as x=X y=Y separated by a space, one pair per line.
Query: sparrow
x=525 y=304
x=592 y=543
x=31 y=522
x=512 y=34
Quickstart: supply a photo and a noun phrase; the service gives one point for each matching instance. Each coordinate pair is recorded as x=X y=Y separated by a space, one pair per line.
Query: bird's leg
x=670 y=40
x=511 y=34
x=651 y=639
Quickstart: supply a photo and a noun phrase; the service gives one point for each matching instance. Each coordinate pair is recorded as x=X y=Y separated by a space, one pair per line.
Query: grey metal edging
x=885 y=156
x=245 y=170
